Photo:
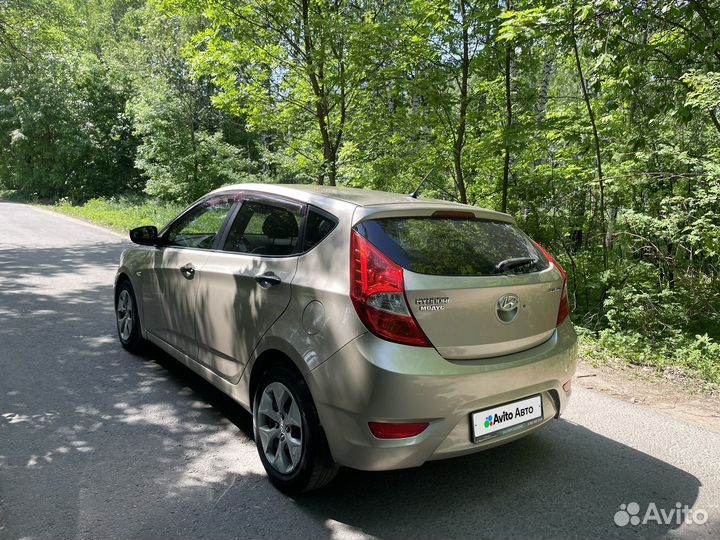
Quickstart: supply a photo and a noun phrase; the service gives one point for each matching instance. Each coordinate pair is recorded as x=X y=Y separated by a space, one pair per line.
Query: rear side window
x=317 y=227
x=264 y=229
x=454 y=247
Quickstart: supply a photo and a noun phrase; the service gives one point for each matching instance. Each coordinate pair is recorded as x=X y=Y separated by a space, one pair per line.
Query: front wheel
x=288 y=436
x=128 y=321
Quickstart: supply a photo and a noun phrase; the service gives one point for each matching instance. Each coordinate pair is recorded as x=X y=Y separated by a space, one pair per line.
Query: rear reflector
x=384 y=430
x=567 y=386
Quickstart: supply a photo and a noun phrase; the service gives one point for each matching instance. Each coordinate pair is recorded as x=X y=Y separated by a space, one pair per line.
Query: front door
x=246 y=287
x=169 y=300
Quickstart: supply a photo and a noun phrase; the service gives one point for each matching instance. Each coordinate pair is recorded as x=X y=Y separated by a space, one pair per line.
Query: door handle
x=268 y=280
x=188 y=271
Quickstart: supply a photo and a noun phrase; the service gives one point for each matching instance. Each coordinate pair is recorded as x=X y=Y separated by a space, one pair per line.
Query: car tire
x=128 y=321
x=288 y=436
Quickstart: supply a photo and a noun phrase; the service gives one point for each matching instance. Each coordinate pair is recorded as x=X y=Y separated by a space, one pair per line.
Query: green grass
x=693 y=356
x=120 y=214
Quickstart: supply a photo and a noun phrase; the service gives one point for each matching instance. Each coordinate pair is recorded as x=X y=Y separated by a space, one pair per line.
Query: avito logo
x=629 y=514
x=491 y=420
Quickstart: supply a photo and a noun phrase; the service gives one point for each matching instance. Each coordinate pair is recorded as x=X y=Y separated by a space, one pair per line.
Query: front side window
x=199 y=227
x=264 y=229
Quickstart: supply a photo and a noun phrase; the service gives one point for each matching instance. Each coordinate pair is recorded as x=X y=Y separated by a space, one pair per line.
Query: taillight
x=385 y=430
x=564 y=309
x=377 y=290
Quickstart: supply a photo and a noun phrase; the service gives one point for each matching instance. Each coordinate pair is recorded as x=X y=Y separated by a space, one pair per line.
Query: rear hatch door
x=478 y=287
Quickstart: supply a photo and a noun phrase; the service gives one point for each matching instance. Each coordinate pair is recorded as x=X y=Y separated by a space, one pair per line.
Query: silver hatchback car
x=360 y=328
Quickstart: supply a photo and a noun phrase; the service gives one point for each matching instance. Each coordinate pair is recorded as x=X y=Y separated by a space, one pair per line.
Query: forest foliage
x=594 y=122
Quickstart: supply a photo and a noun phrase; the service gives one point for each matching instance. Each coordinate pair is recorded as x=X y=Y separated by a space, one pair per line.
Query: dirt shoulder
x=689 y=400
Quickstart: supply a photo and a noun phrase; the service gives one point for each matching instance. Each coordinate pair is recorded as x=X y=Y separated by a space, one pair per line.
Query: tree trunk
x=330 y=160
x=596 y=141
x=714 y=119
x=193 y=143
x=328 y=154
x=315 y=74
x=508 y=126
x=548 y=71
x=459 y=142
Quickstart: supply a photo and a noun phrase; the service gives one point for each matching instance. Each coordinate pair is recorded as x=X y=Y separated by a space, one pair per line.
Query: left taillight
x=377 y=290
x=564 y=308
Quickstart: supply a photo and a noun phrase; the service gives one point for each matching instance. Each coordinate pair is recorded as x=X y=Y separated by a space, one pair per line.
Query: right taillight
x=564 y=309
x=377 y=290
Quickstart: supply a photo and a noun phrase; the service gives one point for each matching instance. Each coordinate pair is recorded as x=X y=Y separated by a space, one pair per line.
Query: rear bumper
x=374 y=380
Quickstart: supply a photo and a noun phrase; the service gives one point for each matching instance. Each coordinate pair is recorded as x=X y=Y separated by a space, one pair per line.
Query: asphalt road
x=97 y=443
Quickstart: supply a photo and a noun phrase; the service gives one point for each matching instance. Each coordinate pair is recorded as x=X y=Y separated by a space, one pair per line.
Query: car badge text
x=432 y=304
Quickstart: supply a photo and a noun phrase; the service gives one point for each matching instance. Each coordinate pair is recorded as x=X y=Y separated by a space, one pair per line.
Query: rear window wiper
x=516 y=262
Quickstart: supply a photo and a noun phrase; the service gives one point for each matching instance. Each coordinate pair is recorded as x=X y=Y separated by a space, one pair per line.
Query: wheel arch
x=124 y=275
x=263 y=363
x=275 y=357
x=121 y=277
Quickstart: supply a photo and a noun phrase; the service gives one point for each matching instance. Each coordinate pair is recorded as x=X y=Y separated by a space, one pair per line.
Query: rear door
x=245 y=287
x=477 y=287
x=169 y=297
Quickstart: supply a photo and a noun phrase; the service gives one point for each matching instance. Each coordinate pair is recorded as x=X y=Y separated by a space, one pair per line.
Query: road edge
x=79 y=221
x=639 y=385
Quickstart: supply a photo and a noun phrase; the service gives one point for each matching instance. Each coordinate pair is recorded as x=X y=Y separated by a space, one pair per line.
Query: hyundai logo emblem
x=507 y=307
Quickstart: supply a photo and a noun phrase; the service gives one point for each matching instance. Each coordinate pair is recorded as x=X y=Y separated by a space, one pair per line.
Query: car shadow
x=562 y=482
x=565 y=481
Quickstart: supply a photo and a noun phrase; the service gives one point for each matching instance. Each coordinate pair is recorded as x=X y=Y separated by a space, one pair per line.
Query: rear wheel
x=128 y=322
x=288 y=436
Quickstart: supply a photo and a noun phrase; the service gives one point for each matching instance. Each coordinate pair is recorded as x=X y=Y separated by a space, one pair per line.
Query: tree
x=183 y=147
x=287 y=66
x=61 y=105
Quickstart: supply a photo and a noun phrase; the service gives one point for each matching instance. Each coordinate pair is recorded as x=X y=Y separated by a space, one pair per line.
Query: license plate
x=506 y=418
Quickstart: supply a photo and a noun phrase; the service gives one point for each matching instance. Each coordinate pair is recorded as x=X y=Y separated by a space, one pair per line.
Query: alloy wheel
x=279 y=424
x=125 y=315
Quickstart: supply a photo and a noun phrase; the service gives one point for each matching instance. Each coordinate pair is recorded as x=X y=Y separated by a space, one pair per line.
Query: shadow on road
x=95 y=442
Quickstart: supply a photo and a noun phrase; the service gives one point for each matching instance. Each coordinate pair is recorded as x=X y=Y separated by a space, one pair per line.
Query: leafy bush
x=64 y=133
x=183 y=151
x=695 y=356
x=175 y=173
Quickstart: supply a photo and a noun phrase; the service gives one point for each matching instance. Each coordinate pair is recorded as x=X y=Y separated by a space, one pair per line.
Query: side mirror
x=145 y=236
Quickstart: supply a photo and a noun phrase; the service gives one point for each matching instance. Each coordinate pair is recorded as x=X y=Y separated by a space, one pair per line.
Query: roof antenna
x=415 y=193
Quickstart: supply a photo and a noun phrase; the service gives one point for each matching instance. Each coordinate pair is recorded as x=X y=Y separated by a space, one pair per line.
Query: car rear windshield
x=454 y=247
